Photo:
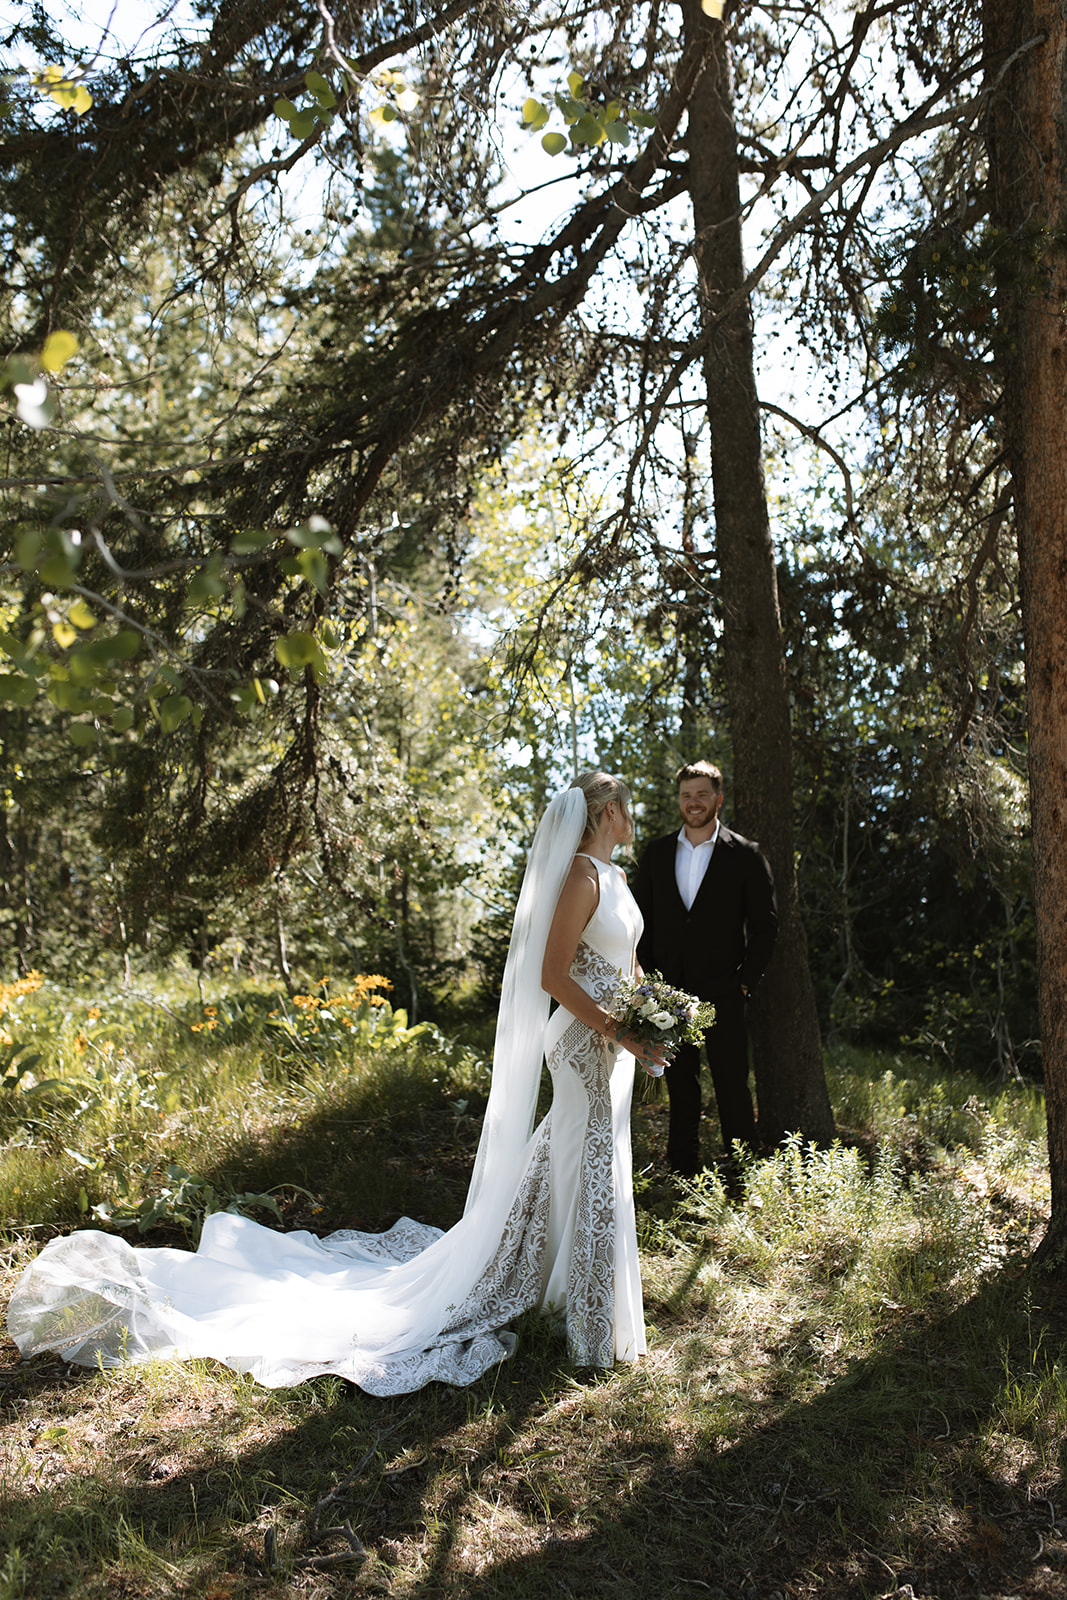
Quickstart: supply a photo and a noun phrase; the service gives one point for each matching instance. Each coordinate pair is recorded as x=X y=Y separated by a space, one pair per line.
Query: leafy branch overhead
x=590 y=122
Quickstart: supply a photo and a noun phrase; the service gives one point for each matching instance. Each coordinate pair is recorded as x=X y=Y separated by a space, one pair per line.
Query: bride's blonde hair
x=600 y=789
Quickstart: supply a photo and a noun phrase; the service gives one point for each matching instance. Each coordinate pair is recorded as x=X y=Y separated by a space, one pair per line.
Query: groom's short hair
x=699 y=769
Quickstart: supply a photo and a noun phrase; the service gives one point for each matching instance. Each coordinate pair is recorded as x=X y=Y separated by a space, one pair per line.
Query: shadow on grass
x=908 y=1469
x=373 y=1152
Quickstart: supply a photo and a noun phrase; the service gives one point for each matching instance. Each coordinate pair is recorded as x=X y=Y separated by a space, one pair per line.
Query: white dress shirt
x=691 y=863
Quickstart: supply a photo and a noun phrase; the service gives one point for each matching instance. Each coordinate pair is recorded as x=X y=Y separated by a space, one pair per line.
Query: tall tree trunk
x=790 y=1083
x=1027 y=140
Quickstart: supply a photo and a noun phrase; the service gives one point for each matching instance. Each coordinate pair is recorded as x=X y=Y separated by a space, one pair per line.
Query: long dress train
x=393 y=1311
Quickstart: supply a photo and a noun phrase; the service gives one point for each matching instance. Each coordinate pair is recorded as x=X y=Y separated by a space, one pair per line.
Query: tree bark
x=790 y=1083
x=1027 y=143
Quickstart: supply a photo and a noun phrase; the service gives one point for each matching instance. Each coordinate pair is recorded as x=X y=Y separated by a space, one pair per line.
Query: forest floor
x=856 y=1384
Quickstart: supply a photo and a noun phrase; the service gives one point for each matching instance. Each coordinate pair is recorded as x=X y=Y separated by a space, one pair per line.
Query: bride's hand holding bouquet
x=658 y=1018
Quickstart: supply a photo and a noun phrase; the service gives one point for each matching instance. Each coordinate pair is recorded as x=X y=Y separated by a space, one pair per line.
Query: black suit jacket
x=726 y=937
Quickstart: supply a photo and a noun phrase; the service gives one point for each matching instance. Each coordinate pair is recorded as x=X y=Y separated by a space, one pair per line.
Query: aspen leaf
x=554 y=143
x=251 y=539
x=72 y=96
x=64 y=634
x=81 y=615
x=312 y=566
x=173 y=711
x=295 y=650
x=28 y=548
x=315 y=534
x=16 y=689
x=534 y=113
x=83 y=734
x=58 y=349
x=125 y=645
x=245 y=699
x=204 y=586
x=713 y=8
x=587 y=130
x=318 y=86
x=574 y=83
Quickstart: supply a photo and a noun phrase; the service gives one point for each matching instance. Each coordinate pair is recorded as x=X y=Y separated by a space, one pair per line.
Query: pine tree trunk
x=790 y=1083
x=1027 y=141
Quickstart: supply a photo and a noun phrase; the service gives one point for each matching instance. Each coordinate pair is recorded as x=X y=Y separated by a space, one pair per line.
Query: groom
x=711 y=919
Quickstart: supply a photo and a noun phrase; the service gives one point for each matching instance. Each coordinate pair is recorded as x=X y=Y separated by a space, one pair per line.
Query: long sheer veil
x=524 y=1004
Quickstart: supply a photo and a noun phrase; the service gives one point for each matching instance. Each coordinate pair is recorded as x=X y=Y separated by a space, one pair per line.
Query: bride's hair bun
x=600 y=789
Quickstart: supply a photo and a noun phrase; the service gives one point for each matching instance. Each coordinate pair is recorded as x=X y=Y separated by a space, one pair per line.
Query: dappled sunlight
x=847 y=1355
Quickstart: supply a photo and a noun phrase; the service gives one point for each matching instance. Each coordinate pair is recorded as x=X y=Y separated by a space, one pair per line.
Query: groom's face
x=698 y=802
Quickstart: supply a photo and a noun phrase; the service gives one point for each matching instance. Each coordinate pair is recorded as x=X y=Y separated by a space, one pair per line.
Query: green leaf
x=534 y=113
x=87 y=661
x=575 y=83
x=315 y=534
x=28 y=548
x=313 y=567
x=554 y=143
x=204 y=586
x=617 y=132
x=57 y=571
x=642 y=119
x=318 y=86
x=82 y=734
x=245 y=699
x=69 y=696
x=122 y=719
x=286 y=110
x=296 y=650
x=124 y=645
x=16 y=690
x=588 y=130
x=252 y=539
x=173 y=711
x=303 y=125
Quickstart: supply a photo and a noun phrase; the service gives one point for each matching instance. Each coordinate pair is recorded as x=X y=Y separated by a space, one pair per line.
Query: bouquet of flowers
x=661 y=1016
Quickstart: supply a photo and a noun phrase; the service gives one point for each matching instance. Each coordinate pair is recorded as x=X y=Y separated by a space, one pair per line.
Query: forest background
x=348 y=513
x=402 y=406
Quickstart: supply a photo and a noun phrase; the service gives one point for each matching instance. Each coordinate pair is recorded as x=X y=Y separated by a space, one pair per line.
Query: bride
x=549 y=1219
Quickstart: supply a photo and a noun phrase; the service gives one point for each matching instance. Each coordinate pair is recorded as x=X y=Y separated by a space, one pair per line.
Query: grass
x=855 y=1381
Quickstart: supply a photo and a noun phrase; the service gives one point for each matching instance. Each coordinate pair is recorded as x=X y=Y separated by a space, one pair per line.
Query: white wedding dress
x=394 y=1311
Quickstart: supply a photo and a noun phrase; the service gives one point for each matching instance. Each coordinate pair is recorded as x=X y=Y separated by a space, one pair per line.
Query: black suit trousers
x=726 y=1042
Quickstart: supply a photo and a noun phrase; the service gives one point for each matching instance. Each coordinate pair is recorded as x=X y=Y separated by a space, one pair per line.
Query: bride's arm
x=576 y=904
